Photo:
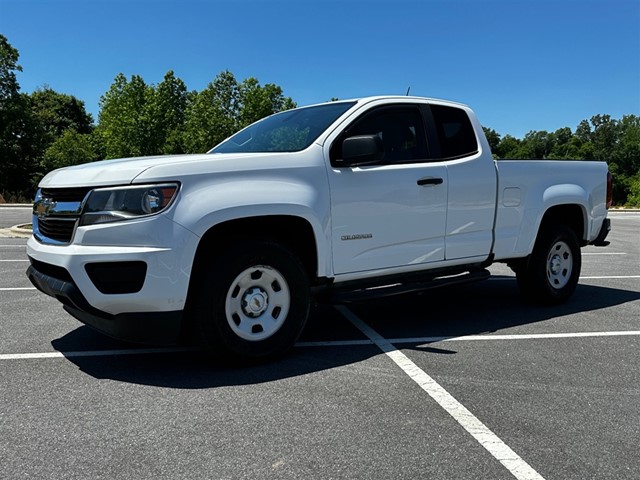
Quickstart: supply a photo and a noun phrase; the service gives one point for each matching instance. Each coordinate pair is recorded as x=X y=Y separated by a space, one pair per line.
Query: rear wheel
x=551 y=273
x=253 y=301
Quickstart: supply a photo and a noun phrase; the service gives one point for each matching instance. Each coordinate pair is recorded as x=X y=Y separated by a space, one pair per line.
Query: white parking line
x=474 y=338
x=25 y=260
x=14 y=289
x=468 y=338
x=610 y=277
x=521 y=336
x=329 y=343
x=478 y=430
x=603 y=253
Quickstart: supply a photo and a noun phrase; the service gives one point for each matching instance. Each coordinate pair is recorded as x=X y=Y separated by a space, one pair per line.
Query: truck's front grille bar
x=56 y=212
x=65 y=194
x=60 y=229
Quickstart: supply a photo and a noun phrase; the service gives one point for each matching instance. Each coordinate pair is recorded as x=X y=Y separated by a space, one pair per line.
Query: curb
x=17 y=231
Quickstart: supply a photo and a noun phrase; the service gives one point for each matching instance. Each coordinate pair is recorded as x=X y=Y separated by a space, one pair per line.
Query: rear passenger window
x=455 y=132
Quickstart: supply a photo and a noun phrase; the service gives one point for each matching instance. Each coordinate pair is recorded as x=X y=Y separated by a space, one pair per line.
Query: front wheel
x=551 y=274
x=253 y=301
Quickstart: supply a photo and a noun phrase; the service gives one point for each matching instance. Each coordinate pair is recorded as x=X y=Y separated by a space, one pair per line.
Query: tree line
x=46 y=129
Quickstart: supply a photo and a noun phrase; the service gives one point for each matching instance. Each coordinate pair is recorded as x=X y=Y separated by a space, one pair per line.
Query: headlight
x=116 y=204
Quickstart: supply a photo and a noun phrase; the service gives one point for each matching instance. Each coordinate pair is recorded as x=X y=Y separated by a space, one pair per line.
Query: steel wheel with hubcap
x=257 y=303
x=253 y=301
x=559 y=265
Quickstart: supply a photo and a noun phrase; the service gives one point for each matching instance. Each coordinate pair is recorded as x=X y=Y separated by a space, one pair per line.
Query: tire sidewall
x=216 y=334
x=537 y=281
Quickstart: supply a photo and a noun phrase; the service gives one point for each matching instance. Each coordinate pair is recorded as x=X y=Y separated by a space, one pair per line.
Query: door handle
x=430 y=181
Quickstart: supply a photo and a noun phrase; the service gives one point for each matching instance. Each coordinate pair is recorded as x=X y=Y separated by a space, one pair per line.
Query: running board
x=337 y=295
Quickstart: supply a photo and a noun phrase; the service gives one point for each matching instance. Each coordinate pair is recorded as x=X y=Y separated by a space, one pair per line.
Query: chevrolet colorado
x=338 y=201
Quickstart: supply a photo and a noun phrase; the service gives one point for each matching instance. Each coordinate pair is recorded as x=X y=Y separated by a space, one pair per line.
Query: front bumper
x=163 y=328
x=129 y=280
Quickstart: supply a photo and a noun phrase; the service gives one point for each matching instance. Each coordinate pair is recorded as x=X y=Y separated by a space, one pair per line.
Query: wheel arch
x=293 y=232
x=571 y=215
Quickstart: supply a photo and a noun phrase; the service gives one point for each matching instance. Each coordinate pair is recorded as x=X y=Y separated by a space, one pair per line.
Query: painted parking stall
x=482 y=387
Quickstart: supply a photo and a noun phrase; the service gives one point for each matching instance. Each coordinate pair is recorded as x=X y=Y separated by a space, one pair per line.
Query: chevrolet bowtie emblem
x=45 y=206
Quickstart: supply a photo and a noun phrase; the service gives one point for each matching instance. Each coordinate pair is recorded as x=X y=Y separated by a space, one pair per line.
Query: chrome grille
x=56 y=212
x=60 y=229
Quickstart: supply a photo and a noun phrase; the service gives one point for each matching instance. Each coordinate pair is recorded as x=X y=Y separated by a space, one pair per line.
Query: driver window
x=400 y=128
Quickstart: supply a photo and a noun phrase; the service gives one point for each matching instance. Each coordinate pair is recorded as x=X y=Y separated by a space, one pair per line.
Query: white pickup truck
x=338 y=201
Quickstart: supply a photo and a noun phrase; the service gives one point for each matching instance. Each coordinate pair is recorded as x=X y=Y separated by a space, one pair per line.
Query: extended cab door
x=472 y=188
x=390 y=212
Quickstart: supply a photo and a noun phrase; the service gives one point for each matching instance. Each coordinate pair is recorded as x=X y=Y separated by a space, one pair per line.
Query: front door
x=393 y=213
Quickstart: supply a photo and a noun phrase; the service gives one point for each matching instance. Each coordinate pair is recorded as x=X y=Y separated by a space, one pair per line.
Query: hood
x=125 y=170
x=109 y=172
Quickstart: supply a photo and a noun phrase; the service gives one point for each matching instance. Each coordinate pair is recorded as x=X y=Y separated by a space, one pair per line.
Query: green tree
x=633 y=198
x=604 y=135
x=256 y=102
x=70 y=148
x=493 y=138
x=19 y=134
x=537 y=144
x=627 y=146
x=55 y=114
x=508 y=147
x=618 y=143
x=138 y=119
x=125 y=124
x=167 y=110
x=583 y=131
x=563 y=145
x=225 y=106
x=58 y=112
x=9 y=86
x=212 y=115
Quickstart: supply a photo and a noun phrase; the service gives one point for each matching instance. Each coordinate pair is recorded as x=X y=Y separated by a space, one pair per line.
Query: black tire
x=551 y=274
x=253 y=301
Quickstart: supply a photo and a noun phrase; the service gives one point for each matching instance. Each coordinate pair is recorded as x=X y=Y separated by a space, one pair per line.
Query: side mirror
x=362 y=150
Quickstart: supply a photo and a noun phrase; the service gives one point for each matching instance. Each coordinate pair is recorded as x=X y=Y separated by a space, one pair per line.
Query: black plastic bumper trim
x=153 y=328
x=117 y=277
x=602 y=235
x=157 y=328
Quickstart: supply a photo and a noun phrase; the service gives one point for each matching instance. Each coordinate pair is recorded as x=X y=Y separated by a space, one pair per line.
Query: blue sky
x=520 y=64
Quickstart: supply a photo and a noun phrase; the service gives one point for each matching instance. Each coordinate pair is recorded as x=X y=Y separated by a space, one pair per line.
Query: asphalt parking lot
x=464 y=383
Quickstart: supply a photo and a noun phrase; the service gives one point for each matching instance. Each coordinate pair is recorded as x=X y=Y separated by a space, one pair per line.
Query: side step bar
x=337 y=295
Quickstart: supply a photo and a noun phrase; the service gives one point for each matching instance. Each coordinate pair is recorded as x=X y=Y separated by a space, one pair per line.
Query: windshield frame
x=267 y=129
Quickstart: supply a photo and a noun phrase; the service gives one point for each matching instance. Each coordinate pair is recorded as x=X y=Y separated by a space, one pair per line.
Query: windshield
x=289 y=131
